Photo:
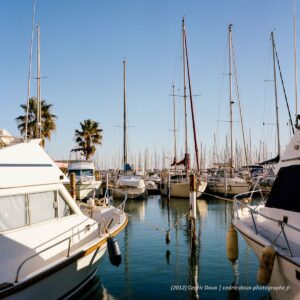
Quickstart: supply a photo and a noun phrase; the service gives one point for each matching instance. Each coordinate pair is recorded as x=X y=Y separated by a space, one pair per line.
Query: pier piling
x=193 y=212
x=73 y=185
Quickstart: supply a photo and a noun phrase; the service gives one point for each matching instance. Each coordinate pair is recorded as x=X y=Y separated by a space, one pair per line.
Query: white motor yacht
x=49 y=248
x=277 y=223
x=87 y=185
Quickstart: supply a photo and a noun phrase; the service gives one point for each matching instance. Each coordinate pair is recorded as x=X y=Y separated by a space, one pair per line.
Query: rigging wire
x=239 y=103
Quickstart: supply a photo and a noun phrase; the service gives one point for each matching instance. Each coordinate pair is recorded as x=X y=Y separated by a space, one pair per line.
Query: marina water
x=153 y=269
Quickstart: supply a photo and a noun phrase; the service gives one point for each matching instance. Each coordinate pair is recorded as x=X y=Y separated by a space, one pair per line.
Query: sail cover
x=185 y=161
x=285 y=190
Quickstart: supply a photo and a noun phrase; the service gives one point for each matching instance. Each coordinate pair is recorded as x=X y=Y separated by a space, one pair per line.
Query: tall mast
x=174 y=127
x=184 y=85
x=124 y=116
x=39 y=112
x=230 y=99
x=275 y=93
x=192 y=105
x=184 y=94
x=295 y=65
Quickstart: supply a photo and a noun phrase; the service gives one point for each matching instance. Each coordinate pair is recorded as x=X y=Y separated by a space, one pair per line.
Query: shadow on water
x=94 y=290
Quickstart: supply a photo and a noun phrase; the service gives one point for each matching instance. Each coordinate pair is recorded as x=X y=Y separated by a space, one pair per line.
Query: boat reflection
x=150 y=261
x=94 y=290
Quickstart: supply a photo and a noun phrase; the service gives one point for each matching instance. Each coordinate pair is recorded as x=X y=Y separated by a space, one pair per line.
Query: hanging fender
x=114 y=252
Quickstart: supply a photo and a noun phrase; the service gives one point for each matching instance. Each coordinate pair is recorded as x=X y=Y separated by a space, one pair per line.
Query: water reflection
x=94 y=290
x=151 y=266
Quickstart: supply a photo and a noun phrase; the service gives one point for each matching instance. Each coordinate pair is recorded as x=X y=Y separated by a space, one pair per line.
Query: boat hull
x=66 y=280
x=132 y=193
x=85 y=190
x=230 y=189
x=182 y=189
x=283 y=284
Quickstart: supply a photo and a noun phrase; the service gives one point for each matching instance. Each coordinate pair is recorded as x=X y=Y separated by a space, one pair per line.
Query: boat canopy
x=286 y=189
x=272 y=161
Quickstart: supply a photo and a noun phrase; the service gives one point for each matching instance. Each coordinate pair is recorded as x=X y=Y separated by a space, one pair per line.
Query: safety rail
x=121 y=208
x=238 y=203
x=46 y=249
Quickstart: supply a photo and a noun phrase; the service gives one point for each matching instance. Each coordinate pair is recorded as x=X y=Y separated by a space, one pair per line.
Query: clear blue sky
x=83 y=43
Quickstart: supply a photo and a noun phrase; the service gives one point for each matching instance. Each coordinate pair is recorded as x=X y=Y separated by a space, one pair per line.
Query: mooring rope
x=163 y=229
x=218 y=197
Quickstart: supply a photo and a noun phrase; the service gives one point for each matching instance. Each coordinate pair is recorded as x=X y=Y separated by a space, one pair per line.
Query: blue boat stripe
x=25 y=165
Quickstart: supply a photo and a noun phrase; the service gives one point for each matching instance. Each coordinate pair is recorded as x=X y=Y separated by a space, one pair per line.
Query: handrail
x=281 y=223
x=120 y=207
x=34 y=255
x=263 y=215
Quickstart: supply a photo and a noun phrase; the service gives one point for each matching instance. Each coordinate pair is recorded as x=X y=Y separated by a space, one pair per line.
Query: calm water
x=151 y=269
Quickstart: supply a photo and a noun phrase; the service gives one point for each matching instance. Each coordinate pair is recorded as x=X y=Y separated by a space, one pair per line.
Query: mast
x=231 y=102
x=174 y=128
x=184 y=94
x=39 y=112
x=295 y=65
x=124 y=116
x=275 y=93
x=191 y=102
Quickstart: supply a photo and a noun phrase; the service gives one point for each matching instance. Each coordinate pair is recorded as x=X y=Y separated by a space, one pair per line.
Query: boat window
x=82 y=172
x=42 y=207
x=13 y=213
x=64 y=209
x=77 y=172
x=87 y=172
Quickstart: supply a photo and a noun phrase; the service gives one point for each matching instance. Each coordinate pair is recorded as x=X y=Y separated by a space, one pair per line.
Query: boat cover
x=286 y=189
x=131 y=181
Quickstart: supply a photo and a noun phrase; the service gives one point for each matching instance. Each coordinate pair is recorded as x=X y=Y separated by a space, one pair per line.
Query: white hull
x=283 y=274
x=64 y=282
x=182 y=189
x=285 y=279
x=86 y=190
x=131 y=192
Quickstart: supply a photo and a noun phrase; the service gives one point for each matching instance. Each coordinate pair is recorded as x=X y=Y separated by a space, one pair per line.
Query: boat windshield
x=285 y=189
x=82 y=172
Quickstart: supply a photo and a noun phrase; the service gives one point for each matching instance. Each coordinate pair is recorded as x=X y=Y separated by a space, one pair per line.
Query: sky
x=83 y=44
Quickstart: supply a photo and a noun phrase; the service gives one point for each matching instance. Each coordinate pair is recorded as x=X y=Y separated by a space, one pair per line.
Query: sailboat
x=131 y=185
x=179 y=185
x=225 y=181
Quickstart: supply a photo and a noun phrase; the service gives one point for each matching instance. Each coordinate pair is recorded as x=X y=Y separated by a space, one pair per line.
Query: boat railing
x=69 y=239
x=120 y=208
x=241 y=203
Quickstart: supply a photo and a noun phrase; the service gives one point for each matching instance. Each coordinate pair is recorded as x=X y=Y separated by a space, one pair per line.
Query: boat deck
x=272 y=232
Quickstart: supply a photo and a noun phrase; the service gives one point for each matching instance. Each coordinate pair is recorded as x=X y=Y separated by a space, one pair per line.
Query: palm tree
x=89 y=136
x=47 y=120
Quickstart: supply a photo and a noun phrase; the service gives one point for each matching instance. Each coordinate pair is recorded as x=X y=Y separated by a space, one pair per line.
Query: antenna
x=29 y=72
